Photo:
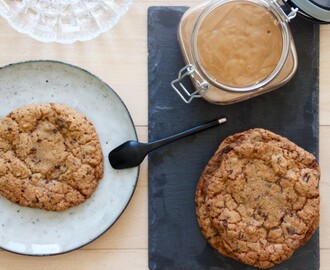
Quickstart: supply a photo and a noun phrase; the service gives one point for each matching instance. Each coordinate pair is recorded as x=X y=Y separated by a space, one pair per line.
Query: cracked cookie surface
x=50 y=157
x=257 y=199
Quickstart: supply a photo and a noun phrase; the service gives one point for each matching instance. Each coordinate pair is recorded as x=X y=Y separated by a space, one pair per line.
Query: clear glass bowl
x=63 y=21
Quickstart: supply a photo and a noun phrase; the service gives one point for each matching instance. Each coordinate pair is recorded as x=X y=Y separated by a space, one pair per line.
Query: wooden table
x=119 y=57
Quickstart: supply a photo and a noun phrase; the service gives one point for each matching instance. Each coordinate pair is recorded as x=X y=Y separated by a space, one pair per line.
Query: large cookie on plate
x=50 y=157
x=259 y=197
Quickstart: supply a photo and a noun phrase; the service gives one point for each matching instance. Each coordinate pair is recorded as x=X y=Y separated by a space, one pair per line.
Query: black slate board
x=175 y=241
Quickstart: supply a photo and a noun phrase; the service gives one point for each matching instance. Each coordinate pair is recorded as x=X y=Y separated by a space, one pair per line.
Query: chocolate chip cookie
x=50 y=157
x=257 y=200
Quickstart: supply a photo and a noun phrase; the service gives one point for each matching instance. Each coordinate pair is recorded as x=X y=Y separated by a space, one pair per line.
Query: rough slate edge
x=175 y=241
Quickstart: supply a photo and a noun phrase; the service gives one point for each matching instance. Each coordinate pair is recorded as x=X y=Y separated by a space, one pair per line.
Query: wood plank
x=325 y=216
x=325 y=154
x=81 y=259
x=325 y=255
x=96 y=260
x=325 y=186
x=324 y=75
x=142 y=133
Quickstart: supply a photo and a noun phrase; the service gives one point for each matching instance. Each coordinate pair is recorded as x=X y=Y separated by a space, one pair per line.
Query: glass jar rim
x=274 y=10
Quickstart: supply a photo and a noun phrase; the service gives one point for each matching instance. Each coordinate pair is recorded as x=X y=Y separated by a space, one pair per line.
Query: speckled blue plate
x=38 y=232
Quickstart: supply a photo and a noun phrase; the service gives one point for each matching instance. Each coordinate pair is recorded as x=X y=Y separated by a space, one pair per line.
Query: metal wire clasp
x=291 y=15
x=201 y=85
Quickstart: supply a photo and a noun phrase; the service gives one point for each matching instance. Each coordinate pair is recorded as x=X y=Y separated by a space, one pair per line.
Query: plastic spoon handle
x=131 y=153
x=159 y=143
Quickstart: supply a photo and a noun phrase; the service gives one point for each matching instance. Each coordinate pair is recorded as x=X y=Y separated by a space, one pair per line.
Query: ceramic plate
x=37 y=232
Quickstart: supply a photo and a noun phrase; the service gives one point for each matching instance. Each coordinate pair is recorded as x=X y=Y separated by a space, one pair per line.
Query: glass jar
x=235 y=50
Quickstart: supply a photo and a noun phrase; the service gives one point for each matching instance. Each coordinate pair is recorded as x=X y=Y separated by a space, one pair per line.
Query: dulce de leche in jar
x=235 y=50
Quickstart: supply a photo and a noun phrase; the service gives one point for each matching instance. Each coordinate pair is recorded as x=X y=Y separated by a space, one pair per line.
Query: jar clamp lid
x=208 y=85
x=314 y=10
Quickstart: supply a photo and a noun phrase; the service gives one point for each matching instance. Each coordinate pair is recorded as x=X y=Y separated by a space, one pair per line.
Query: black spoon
x=131 y=153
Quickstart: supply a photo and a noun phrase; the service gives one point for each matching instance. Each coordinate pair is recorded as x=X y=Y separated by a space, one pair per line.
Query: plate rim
x=136 y=136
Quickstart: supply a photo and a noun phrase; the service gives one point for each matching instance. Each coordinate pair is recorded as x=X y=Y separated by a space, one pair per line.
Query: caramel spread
x=239 y=44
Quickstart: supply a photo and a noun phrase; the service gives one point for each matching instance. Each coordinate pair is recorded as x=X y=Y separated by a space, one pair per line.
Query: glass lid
x=315 y=10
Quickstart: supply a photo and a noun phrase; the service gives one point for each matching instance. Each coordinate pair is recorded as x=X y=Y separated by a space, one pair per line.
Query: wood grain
x=81 y=259
x=324 y=75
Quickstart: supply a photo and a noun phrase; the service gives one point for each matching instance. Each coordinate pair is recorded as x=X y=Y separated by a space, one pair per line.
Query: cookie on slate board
x=257 y=200
x=50 y=157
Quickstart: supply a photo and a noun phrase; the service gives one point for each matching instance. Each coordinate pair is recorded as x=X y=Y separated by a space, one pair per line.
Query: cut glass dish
x=63 y=21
